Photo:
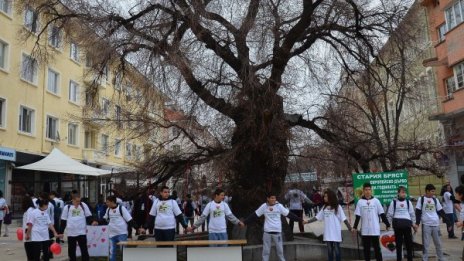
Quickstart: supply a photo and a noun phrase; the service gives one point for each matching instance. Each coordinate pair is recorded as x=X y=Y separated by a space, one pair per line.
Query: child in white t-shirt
x=217 y=211
x=272 y=211
x=38 y=224
x=332 y=214
x=368 y=209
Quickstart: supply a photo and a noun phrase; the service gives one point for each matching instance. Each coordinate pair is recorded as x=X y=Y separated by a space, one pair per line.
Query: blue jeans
x=114 y=245
x=217 y=236
x=333 y=248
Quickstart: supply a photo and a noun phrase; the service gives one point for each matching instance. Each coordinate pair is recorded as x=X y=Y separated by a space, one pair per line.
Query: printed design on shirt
x=218 y=212
x=75 y=212
x=163 y=207
x=429 y=206
x=328 y=213
x=271 y=214
x=42 y=219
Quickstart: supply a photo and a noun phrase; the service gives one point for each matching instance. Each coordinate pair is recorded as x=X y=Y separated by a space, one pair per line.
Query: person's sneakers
x=453 y=237
x=5 y=235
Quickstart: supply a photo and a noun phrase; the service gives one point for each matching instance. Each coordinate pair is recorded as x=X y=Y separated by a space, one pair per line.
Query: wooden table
x=196 y=250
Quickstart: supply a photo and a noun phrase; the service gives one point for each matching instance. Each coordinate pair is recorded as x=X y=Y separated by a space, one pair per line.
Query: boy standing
x=217 y=211
x=75 y=218
x=118 y=220
x=427 y=210
x=368 y=210
x=401 y=215
x=166 y=213
x=272 y=211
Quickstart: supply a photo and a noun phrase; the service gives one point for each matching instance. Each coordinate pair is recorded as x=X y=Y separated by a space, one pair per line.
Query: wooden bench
x=197 y=250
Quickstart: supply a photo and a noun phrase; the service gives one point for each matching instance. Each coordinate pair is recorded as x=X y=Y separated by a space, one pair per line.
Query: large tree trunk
x=259 y=161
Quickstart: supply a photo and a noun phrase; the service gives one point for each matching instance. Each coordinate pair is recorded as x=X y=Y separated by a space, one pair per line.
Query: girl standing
x=38 y=224
x=332 y=214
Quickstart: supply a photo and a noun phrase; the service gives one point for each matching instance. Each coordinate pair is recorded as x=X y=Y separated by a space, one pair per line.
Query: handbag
x=7 y=219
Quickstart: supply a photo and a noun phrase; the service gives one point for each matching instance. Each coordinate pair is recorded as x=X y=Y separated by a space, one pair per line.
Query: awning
x=57 y=161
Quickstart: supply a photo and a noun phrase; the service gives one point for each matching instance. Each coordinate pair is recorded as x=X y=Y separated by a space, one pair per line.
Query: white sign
x=7 y=154
x=388 y=245
x=97 y=241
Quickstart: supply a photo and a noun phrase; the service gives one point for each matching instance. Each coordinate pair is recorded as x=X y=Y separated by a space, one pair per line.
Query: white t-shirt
x=402 y=210
x=217 y=216
x=429 y=211
x=117 y=221
x=40 y=221
x=25 y=219
x=369 y=211
x=76 y=224
x=332 y=223
x=448 y=203
x=165 y=212
x=2 y=208
x=272 y=221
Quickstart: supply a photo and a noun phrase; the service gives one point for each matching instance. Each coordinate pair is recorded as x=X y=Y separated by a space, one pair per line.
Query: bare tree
x=238 y=61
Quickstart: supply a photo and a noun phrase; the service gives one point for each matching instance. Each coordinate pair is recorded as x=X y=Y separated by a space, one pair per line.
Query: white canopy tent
x=57 y=161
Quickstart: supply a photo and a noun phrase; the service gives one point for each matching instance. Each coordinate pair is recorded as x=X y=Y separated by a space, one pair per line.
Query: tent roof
x=57 y=161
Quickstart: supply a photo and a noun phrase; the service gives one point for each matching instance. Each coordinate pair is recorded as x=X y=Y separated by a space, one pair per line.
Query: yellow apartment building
x=43 y=105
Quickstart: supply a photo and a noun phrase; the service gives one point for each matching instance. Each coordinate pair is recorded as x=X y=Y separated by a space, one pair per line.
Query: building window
x=442 y=32
x=53 y=81
x=74 y=52
x=73 y=91
x=104 y=143
x=459 y=75
x=89 y=139
x=105 y=106
x=450 y=87
x=3 y=55
x=2 y=113
x=29 y=67
x=117 y=147
x=31 y=19
x=52 y=128
x=54 y=36
x=72 y=133
x=118 y=116
x=26 y=119
x=128 y=150
x=454 y=15
x=5 y=6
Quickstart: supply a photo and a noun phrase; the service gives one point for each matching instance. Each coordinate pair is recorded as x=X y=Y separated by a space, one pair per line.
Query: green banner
x=384 y=184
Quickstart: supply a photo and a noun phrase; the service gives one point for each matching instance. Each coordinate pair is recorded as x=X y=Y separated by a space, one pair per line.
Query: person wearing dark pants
x=40 y=247
x=368 y=242
x=75 y=218
x=82 y=241
x=166 y=213
x=368 y=209
x=165 y=234
x=38 y=224
x=296 y=198
x=401 y=215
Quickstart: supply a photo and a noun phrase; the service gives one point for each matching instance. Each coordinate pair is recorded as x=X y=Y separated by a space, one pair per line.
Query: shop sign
x=7 y=154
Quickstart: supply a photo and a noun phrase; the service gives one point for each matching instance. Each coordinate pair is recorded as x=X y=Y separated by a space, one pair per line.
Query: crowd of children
x=47 y=218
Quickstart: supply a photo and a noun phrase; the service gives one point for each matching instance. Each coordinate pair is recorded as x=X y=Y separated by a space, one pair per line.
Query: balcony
x=94 y=155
